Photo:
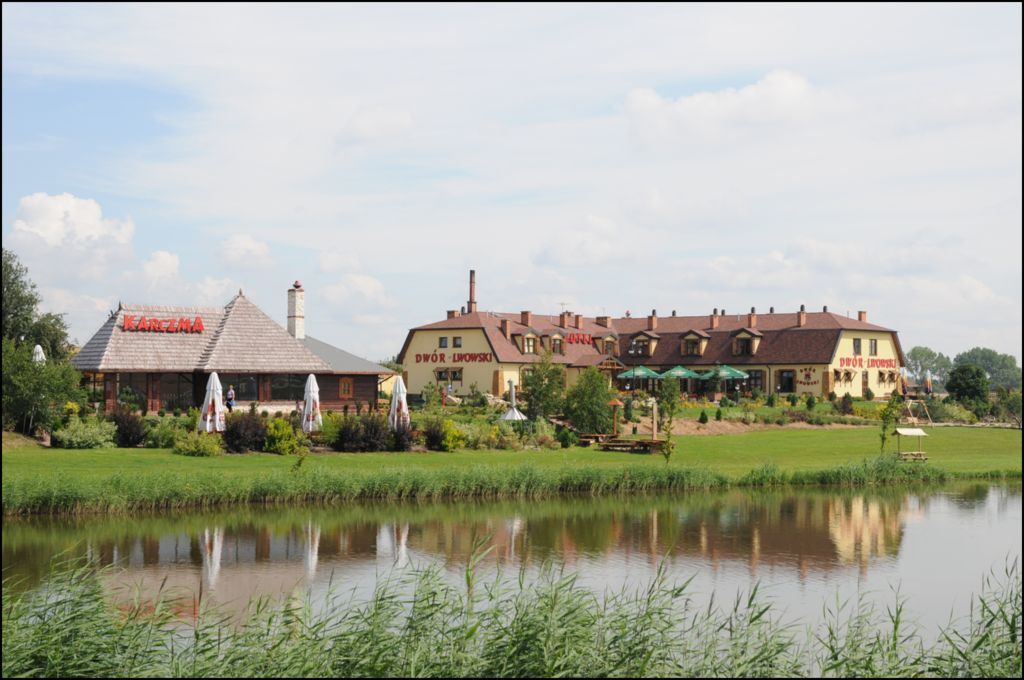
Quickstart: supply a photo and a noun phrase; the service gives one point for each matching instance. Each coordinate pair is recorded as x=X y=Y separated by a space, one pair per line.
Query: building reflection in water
x=233 y=557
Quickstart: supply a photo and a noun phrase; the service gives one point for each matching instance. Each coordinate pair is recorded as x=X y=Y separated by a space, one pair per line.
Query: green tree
x=922 y=360
x=34 y=394
x=1002 y=369
x=542 y=388
x=668 y=403
x=586 y=402
x=968 y=383
x=890 y=415
x=19 y=298
x=1009 y=402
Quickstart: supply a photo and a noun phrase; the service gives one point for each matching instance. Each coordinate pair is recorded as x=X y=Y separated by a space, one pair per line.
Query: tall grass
x=555 y=627
x=63 y=493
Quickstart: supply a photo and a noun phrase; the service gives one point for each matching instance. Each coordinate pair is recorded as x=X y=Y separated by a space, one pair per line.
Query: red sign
x=457 y=357
x=153 y=325
x=858 y=362
x=807 y=376
x=579 y=339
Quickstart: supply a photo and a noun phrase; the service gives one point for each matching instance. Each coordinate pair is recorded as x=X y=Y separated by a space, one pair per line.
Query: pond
x=805 y=548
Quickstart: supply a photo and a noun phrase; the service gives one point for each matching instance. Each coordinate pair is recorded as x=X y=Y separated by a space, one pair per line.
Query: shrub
x=566 y=437
x=770 y=403
x=349 y=436
x=433 y=432
x=281 y=438
x=83 y=435
x=193 y=418
x=796 y=416
x=507 y=438
x=452 y=437
x=161 y=413
x=131 y=431
x=846 y=404
x=481 y=435
x=401 y=438
x=792 y=399
x=810 y=402
x=128 y=399
x=756 y=394
x=163 y=434
x=177 y=411
x=703 y=419
x=244 y=432
x=198 y=445
x=718 y=414
x=869 y=394
x=376 y=436
x=832 y=396
x=627 y=409
x=329 y=428
x=725 y=402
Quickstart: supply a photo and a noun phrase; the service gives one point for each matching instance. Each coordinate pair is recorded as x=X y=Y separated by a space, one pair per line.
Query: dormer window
x=529 y=345
x=609 y=347
x=691 y=347
x=640 y=347
x=556 y=346
x=741 y=347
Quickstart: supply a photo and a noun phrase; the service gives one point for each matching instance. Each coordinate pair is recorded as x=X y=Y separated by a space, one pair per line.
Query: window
x=529 y=345
x=176 y=390
x=457 y=341
x=742 y=346
x=856 y=346
x=442 y=375
x=787 y=381
x=455 y=375
x=346 y=389
x=609 y=347
x=442 y=343
x=873 y=347
x=756 y=380
x=556 y=346
x=286 y=387
x=692 y=348
x=245 y=386
x=640 y=347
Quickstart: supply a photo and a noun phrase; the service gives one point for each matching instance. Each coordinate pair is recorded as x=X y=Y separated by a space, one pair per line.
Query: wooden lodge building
x=786 y=353
x=165 y=355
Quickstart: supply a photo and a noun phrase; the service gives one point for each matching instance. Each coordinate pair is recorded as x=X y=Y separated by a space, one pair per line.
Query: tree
x=542 y=388
x=924 y=360
x=35 y=394
x=1002 y=369
x=19 y=298
x=586 y=402
x=890 y=415
x=1009 y=402
x=968 y=383
x=668 y=403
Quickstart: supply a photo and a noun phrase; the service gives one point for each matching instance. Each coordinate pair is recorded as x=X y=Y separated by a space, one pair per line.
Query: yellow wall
x=474 y=342
x=887 y=357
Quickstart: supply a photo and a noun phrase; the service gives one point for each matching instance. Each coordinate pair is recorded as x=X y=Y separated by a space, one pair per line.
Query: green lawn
x=956 y=449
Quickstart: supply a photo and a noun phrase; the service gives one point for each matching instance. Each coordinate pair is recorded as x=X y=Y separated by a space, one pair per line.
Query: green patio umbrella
x=639 y=372
x=724 y=372
x=680 y=372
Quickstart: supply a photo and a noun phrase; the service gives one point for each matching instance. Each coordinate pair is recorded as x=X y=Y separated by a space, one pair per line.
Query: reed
x=64 y=493
x=419 y=625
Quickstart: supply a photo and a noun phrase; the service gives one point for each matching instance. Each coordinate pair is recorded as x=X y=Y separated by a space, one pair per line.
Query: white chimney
x=297 y=311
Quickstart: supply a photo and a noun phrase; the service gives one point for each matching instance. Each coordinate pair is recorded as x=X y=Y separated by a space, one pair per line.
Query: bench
x=588 y=439
x=913 y=455
x=632 y=445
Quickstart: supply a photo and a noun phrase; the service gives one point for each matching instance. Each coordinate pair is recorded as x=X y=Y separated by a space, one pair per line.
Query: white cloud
x=66 y=219
x=359 y=290
x=244 y=251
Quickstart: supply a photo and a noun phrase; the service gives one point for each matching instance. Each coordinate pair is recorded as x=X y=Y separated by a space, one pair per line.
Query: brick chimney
x=603 y=321
x=563 y=319
x=453 y=314
x=652 y=320
x=471 y=304
x=506 y=329
x=297 y=311
x=752 y=318
x=801 y=317
x=714 y=319
x=862 y=316
x=578 y=321
x=526 y=318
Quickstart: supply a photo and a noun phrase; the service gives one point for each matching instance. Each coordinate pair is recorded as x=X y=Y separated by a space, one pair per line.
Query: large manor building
x=797 y=352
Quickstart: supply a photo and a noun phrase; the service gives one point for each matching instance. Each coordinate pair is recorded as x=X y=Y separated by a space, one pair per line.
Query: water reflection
x=234 y=555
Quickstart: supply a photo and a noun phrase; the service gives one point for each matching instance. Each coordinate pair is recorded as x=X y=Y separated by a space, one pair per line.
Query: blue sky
x=608 y=157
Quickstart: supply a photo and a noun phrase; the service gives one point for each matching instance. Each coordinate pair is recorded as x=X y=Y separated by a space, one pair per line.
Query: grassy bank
x=554 y=628
x=39 y=480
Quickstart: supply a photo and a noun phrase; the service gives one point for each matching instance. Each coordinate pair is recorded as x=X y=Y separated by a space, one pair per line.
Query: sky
x=591 y=157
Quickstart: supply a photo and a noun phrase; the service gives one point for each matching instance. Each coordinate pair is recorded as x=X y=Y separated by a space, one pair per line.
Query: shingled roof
x=783 y=339
x=238 y=338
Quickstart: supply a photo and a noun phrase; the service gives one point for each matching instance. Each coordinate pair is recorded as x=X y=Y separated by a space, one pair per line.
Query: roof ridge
x=207 y=353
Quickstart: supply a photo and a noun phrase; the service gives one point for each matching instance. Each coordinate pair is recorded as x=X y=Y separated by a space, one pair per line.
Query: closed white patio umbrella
x=311 y=419
x=38 y=355
x=399 y=413
x=211 y=418
x=513 y=413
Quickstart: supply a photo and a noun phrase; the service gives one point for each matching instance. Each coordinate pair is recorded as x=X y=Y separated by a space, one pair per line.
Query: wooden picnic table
x=912 y=455
x=632 y=445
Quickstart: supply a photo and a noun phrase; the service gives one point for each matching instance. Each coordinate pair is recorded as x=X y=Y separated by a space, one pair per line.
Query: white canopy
x=911 y=431
x=399 y=412
x=211 y=418
x=311 y=419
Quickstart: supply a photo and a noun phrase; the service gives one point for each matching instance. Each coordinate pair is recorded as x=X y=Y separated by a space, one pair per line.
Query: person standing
x=231 y=399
